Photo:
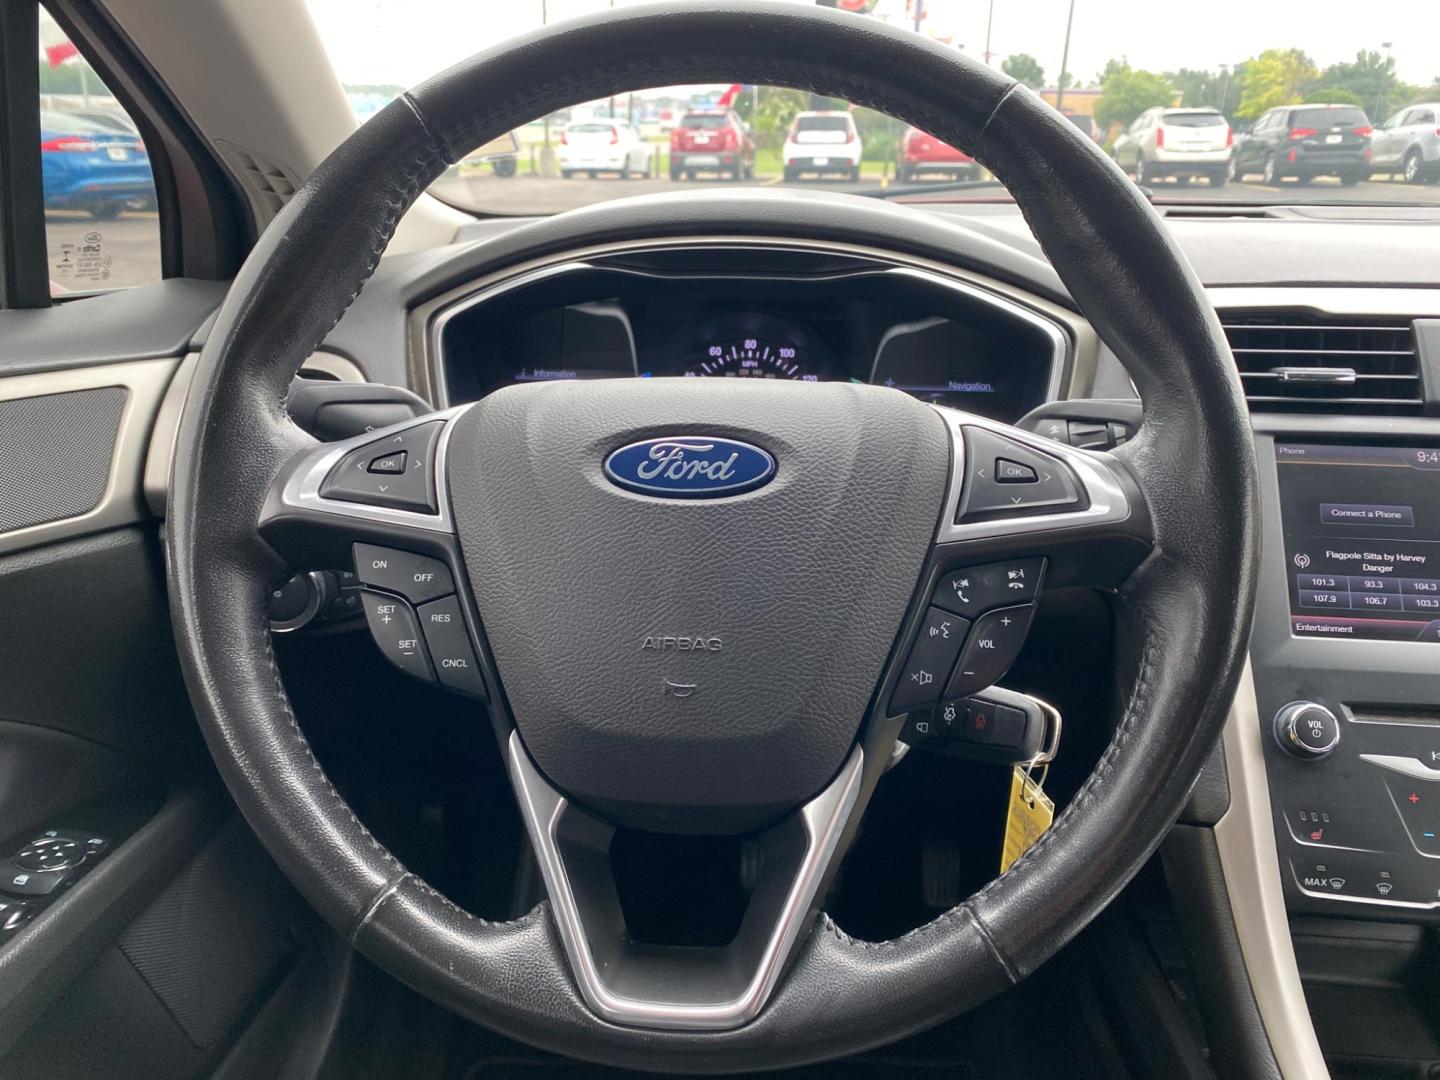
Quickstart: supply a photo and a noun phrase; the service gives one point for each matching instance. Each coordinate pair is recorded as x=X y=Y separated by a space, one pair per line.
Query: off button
x=415 y=577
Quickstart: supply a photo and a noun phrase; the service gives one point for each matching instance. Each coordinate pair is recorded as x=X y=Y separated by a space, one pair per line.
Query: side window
x=102 y=230
x=1395 y=121
x=1421 y=116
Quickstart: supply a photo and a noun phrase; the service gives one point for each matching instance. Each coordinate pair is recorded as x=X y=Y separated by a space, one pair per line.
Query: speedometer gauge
x=754 y=346
x=752 y=358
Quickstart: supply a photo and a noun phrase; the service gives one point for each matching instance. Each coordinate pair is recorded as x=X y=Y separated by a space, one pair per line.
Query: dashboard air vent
x=1296 y=362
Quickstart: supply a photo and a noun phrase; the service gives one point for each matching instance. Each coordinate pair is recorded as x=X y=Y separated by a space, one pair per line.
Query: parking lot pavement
x=539 y=195
x=89 y=254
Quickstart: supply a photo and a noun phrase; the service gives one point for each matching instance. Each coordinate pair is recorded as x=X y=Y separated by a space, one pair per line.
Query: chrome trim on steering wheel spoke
x=302 y=488
x=823 y=821
x=1108 y=503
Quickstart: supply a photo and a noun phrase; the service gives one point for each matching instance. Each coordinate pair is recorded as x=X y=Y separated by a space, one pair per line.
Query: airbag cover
x=694 y=665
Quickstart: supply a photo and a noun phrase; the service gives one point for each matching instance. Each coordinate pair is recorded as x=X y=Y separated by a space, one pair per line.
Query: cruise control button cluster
x=396 y=471
x=415 y=618
x=1006 y=478
x=975 y=627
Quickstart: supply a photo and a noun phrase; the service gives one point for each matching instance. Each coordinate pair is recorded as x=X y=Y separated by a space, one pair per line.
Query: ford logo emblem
x=689 y=467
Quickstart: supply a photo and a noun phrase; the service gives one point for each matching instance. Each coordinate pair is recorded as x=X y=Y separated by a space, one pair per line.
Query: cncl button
x=414 y=577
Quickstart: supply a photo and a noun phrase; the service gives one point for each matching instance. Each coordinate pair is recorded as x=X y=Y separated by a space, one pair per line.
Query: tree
x=1126 y=92
x=1275 y=77
x=1422 y=94
x=1370 y=82
x=1024 y=68
x=777 y=108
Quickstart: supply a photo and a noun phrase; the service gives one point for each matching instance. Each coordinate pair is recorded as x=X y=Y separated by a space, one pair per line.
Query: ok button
x=415 y=577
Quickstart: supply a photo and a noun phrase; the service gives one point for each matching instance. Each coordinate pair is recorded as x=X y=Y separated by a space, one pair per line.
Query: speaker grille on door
x=56 y=452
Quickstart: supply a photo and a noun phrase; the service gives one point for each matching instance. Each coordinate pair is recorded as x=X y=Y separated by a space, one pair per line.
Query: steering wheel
x=827 y=515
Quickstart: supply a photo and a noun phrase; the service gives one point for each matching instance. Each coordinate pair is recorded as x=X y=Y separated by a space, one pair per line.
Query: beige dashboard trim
x=145 y=383
x=1084 y=342
x=1245 y=837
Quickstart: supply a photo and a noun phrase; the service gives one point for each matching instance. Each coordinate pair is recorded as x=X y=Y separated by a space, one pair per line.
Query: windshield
x=1230 y=89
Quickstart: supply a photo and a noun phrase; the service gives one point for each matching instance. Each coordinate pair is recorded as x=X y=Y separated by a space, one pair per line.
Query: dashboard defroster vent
x=1296 y=362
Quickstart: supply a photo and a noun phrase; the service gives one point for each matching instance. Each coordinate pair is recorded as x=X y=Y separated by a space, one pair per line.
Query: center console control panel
x=1356 y=796
x=1347 y=672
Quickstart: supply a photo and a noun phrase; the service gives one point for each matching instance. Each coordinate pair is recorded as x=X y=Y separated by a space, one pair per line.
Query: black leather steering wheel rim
x=1193 y=460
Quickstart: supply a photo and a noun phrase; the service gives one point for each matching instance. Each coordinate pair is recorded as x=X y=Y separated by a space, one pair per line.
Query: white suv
x=820 y=143
x=1176 y=142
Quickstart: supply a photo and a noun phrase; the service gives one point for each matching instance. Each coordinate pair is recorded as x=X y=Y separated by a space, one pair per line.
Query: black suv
x=1305 y=141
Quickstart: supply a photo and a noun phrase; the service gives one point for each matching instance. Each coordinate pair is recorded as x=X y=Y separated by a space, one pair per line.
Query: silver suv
x=1176 y=142
x=1408 y=144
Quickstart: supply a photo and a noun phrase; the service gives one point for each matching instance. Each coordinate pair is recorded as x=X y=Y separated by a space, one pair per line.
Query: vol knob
x=1306 y=730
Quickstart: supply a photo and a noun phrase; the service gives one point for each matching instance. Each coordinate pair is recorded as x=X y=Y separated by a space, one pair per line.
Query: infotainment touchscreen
x=1362 y=540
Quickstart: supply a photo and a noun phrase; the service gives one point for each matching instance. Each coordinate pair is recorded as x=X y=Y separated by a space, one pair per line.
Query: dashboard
x=753 y=314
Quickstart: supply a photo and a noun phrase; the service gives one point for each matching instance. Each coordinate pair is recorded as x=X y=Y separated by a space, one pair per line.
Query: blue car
x=90 y=167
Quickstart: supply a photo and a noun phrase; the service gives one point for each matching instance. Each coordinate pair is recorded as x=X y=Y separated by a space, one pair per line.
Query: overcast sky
x=403 y=41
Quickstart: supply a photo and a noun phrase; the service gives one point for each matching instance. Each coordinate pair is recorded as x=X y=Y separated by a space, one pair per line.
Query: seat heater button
x=415 y=577
x=977 y=589
x=993 y=646
x=931 y=658
x=397 y=632
x=449 y=645
x=391 y=464
x=1013 y=472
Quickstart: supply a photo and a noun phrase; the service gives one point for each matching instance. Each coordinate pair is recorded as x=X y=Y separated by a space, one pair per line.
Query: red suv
x=924 y=155
x=712 y=141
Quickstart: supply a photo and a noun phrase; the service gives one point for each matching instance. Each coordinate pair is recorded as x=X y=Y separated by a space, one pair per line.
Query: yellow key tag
x=1030 y=814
